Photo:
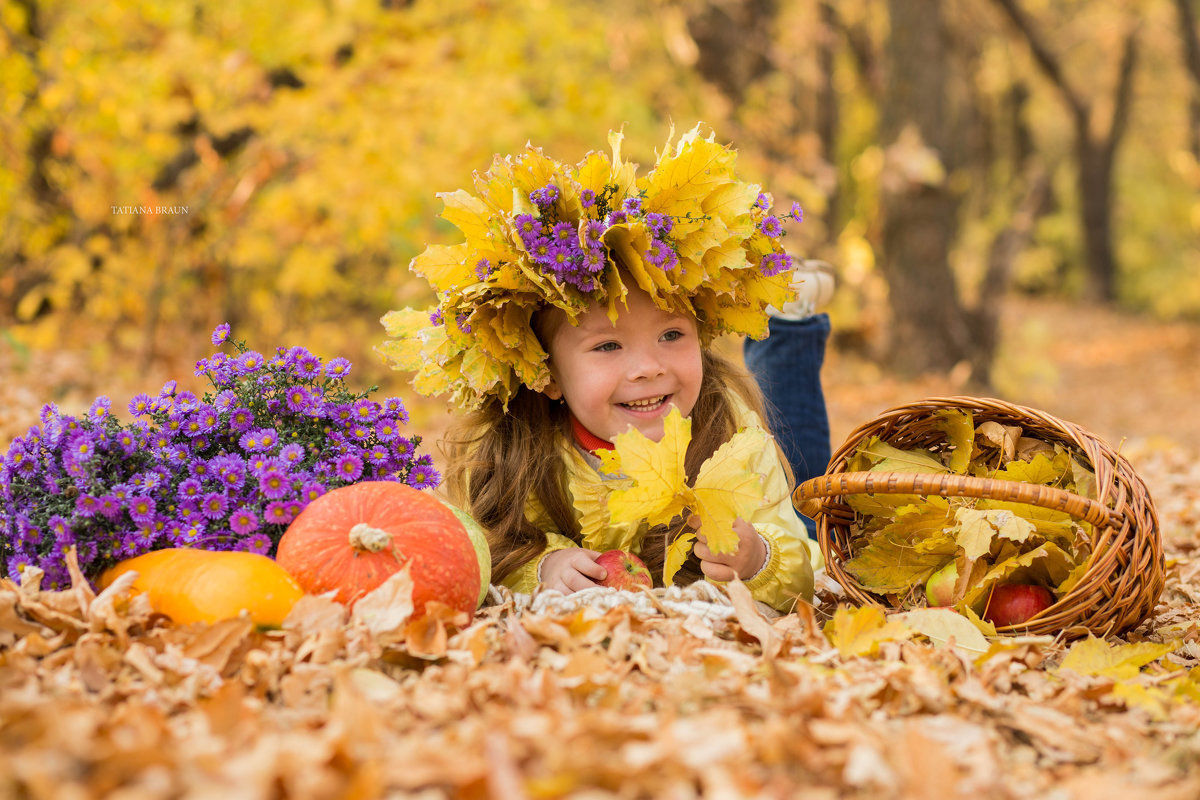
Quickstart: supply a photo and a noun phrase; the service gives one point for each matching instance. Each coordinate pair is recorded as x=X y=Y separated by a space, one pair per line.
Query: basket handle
x=807 y=496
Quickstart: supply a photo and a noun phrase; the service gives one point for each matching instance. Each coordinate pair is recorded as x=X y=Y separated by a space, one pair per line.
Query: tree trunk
x=1191 y=58
x=1096 y=201
x=1095 y=151
x=929 y=323
x=828 y=112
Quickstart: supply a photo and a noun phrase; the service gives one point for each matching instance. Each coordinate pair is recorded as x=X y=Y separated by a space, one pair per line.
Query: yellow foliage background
x=299 y=148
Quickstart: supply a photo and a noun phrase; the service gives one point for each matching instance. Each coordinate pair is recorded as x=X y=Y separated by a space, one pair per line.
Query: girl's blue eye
x=672 y=336
x=607 y=347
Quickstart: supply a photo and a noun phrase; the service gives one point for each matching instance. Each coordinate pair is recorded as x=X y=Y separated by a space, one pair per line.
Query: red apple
x=939 y=589
x=625 y=570
x=1014 y=603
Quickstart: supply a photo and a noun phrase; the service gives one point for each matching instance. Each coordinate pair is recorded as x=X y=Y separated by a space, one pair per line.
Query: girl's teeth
x=646 y=403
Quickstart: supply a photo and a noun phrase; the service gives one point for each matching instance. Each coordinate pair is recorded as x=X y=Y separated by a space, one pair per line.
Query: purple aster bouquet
x=226 y=471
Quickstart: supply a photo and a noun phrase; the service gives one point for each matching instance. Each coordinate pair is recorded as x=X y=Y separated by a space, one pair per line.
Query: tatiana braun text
x=155 y=210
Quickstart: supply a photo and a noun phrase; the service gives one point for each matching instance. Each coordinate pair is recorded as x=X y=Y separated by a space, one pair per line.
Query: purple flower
x=349 y=467
x=395 y=406
x=185 y=402
x=659 y=224
x=220 y=334
x=593 y=232
x=587 y=198
x=307 y=366
x=243 y=521
x=59 y=528
x=797 y=213
x=142 y=508
x=258 y=543
x=274 y=483
x=232 y=474
x=291 y=453
x=259 y=440
x=101 y=407
x=541 y=249
x=213 y=505
x=543 y=198
x=423 y=477
x=436 y=318
x=250 y=361
x=279 y=512
x=299 y=398
x=365 y=410
x=632 y=205
x=139 y=406
x=109 y=507
x=483 y=268
x=528 y=227
x=774 y=263
x=240 y=419
x=82 y=448
x=310 y=491
x=378 y=455
x=763 y=201
x=87 y=505
x=771 y=226
x=337 y=368
x=386 y=429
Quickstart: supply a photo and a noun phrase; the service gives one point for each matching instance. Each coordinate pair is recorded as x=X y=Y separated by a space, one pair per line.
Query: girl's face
x=630 y=373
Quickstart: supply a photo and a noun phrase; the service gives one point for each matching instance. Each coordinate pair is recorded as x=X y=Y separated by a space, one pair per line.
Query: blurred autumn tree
x=944 y=153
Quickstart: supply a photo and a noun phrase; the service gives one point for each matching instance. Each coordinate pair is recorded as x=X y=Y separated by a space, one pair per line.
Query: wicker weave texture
x=1125 y=572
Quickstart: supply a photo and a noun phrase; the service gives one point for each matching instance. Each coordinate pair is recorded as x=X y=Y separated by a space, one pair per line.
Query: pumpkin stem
x=365 y=537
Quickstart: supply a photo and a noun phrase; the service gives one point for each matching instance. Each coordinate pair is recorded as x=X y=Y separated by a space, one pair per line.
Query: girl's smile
x=628 y=373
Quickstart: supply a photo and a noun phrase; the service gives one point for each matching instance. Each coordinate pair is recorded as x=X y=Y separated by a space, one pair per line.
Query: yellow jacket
x=788 y=573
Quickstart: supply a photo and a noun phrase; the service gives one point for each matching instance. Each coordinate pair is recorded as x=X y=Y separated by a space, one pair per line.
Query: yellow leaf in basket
x=860 y=631
x=892 y=564
x=877 y=455
x=978 y=529
x=1094 y=656
x=656 y=469
x=959 y=427
x=1040 y=470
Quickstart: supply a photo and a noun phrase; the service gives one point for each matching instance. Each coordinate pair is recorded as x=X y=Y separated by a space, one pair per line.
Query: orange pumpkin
x=190 y=585
x=351 y=539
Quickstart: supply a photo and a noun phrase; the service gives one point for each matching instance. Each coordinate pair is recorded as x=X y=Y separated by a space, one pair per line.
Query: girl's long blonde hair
x=499 y=460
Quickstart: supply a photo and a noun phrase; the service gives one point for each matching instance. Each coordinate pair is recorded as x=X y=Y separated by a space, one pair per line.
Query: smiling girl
x=584 y=303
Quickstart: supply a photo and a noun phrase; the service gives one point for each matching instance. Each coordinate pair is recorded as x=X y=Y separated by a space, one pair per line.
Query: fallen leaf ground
x=680 y=696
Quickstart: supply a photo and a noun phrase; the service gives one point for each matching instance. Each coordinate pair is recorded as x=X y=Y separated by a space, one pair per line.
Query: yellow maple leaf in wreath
x=725 y=487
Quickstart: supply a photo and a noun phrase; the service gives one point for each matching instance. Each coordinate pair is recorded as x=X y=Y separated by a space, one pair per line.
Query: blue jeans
x=787 y=365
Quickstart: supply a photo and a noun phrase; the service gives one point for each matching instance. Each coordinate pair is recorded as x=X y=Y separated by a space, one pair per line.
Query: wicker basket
x=1125 y=573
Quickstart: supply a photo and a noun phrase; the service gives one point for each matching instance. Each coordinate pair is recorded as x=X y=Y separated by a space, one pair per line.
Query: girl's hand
x=571 y=569
x=743 y=563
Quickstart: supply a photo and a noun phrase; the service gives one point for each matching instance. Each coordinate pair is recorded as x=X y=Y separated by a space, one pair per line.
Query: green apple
x=482 y=551
x=939 y=589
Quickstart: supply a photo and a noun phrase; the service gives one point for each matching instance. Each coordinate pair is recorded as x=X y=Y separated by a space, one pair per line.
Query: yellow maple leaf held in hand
x=725 y=487
x=656 y=469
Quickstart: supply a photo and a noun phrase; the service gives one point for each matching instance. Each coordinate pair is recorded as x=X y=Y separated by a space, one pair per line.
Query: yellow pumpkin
x=190 y=585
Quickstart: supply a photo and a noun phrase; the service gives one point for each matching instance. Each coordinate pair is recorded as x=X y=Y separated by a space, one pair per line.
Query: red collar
x=586 y=439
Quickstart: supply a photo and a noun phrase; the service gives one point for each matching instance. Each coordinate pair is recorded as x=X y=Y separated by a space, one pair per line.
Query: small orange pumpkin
x=191 y=585
x=351 y=539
